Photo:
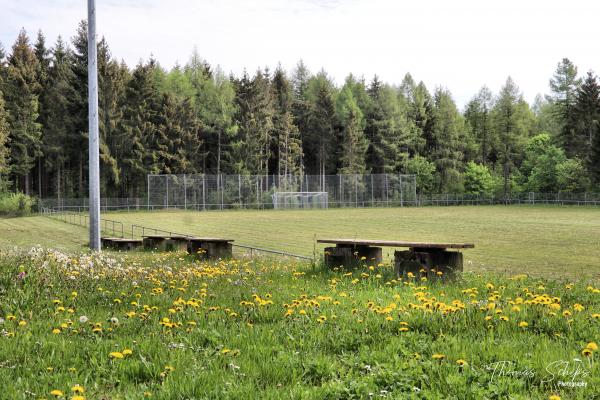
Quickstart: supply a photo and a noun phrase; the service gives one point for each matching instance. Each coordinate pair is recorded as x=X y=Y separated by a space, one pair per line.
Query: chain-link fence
x=446 y=199
x=210 y=192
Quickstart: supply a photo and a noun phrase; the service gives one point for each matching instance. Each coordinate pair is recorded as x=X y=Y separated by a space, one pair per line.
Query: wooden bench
x=210 y=248
x=121 y=244
x=420 y=259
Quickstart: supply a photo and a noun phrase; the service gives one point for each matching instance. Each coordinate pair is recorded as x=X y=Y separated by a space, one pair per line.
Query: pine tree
x=4 y=149
x=22 y=104
x=594 y=163
x=301 y=108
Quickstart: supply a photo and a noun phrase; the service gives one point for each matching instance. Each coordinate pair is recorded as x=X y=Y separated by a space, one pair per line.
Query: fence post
x=203 y=192
x=401 y=192
x=184 y=192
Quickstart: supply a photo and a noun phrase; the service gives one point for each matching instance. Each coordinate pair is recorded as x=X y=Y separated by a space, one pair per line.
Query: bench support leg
x=210 y=250
x=432 y=261
x=352 y=256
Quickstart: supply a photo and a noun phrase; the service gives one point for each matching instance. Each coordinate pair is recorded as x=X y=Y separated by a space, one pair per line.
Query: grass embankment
x=167 y=327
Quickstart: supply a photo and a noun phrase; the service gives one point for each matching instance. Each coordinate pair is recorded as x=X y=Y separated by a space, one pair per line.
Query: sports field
x=540 y=240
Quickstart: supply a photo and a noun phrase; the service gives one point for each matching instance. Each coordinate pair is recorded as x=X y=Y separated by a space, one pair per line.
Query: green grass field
x=550 y=241
x=165 y=326
x=536 y=240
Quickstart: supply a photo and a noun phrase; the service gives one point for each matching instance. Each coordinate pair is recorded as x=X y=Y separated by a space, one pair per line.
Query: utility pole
x=94 y=157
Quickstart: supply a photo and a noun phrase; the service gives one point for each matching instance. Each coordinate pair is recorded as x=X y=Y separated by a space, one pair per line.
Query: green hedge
x=15 y=204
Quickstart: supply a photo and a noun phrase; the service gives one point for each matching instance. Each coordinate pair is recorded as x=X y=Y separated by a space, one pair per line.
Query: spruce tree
x=42 y=55
x=22 y=104
x=287 y=150
x=564 y=85
x=4 y=149
x=447 y=147
x=512 y=120
x=320 y=141
x=58 y=127
x=585 y=116
x=478 y=117
x=352 y=141
x=379 y=132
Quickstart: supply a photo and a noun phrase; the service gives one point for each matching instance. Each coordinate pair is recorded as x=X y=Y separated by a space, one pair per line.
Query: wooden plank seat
x=210 y=248
x=421 y=258
x=121 y=244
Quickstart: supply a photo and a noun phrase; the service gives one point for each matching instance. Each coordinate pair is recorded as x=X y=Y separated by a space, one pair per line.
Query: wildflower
x=578 y=307
x=586 y=352
x=322 y=319
x=403 y=329
x=554 y=397
x=523 y=324
x=438 y=356
x=567 y=313
x=77 y=397
x=127 y=352
x=592 y=346
x=57 y=393
x=225 y=350
x=22 y=323
x=77 y=389
x=461 y=362
x=169 y=368
x=56 y=331
x=504 y=318
x=83 y=319
x=114 y=320
x=116 y=355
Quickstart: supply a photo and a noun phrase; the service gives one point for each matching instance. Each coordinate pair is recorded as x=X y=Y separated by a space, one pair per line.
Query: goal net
x=300 y=200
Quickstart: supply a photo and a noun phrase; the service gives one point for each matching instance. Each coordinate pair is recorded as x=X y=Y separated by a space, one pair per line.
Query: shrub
x=15 y=204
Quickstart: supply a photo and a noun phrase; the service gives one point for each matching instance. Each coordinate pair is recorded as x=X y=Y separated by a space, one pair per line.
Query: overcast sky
x=459 y=44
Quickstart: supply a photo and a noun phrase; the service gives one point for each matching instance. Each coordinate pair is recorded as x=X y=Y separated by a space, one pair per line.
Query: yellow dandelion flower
x=57 y=393
x=554 y=397
x=77 y=389
x=523 y=324
x=592 y=346
x=586 y=352
x=438 y=356
x=77 y=397
x=56 y=331
x=116 y=355
x=127 y=352
x=461 y=362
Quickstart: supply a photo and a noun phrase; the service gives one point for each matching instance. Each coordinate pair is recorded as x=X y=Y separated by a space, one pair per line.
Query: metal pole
x=148 y=190
x=94 y=152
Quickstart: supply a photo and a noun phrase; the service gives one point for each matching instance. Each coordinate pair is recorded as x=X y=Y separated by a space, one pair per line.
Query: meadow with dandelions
x=166 y=326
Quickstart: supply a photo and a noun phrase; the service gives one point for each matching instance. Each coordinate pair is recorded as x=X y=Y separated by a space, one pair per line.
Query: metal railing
x=116 y=228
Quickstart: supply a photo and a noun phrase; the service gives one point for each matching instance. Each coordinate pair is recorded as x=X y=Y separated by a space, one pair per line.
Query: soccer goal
x=300 y=200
